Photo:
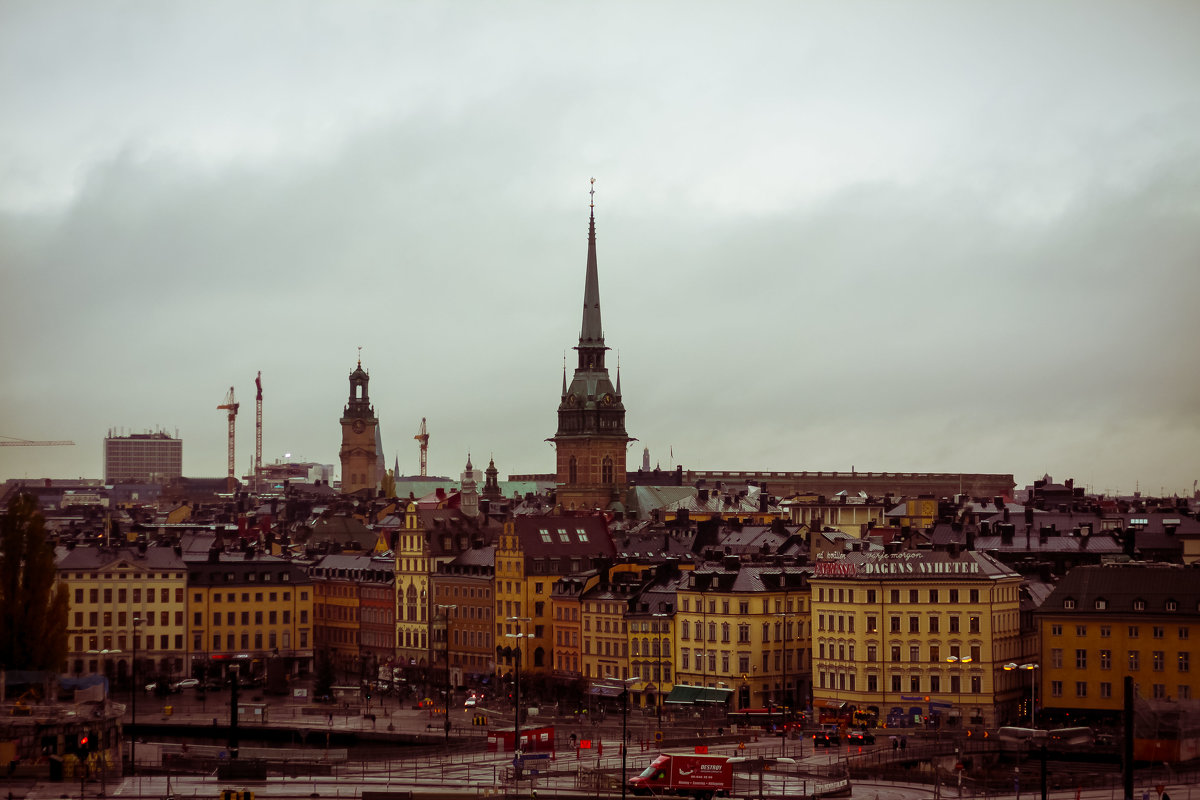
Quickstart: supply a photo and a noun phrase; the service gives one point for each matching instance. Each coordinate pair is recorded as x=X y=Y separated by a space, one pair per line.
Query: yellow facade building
x=245 y=611
x=742 y=631
x=125 y=599
x=1102 y=623
x=900 y=637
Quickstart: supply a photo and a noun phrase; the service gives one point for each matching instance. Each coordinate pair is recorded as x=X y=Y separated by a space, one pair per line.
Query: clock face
x=571 y=400
x=359 y=426
x=608 y=401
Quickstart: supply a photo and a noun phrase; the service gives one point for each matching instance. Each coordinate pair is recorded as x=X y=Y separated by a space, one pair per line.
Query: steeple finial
x=360 y=356
x=592 y=332
x=618 y=373
x=564 y=391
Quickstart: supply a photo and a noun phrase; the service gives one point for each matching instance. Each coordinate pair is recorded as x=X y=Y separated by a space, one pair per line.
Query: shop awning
x=600 y=690
x=833 y=704
x=689 y=695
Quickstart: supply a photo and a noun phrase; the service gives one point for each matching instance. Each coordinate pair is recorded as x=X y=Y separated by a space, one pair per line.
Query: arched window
x=572 y=471
x=606 y=470
x=411 y=601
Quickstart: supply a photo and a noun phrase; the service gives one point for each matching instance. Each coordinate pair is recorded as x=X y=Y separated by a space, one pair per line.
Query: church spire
x=592 y=332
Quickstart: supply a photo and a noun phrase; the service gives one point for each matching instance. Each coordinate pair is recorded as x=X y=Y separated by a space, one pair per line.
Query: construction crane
x=29 y=443
x=258 y=433
x=423 y=437
x=232 y=407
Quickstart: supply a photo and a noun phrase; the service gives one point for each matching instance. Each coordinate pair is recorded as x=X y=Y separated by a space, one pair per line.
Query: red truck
x=702 y=777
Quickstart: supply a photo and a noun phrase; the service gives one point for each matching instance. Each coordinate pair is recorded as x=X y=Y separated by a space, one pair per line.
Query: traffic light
x=82 y=742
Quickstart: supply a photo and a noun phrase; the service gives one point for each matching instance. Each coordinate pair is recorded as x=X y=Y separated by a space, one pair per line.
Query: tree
x=387 y=486
x=33 y=608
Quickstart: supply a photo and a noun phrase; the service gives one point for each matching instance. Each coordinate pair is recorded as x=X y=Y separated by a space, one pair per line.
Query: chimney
x=702 y=496
x=732 y=563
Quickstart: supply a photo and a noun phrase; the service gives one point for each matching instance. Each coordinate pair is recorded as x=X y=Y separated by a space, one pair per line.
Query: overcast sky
x=888 y=236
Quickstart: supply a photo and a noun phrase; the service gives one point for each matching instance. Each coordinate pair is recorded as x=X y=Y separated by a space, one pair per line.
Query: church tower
x=591 y=437
x=360 y=460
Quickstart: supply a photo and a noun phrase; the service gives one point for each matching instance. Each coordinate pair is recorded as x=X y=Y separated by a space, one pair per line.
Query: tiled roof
x=1120 y=587
x=93 y=558
x=560 y=537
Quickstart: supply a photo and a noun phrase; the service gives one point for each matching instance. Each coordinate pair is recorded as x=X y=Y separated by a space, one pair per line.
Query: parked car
x=186 y=683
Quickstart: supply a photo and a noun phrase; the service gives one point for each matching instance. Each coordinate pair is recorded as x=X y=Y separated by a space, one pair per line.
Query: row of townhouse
x=182 y=616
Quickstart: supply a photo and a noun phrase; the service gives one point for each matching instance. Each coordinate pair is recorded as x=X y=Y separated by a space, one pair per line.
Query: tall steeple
x=591 y=334
x=591 y=437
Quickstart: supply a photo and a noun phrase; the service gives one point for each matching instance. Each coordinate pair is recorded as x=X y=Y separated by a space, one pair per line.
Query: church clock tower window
x=573 y=472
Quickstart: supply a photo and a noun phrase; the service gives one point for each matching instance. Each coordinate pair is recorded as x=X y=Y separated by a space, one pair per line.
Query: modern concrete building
x=142 y=458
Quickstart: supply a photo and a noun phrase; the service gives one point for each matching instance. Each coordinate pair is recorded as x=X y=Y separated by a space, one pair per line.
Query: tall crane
x=423 y=437
x=258 y=434
x=28 y=443
x=232 y=407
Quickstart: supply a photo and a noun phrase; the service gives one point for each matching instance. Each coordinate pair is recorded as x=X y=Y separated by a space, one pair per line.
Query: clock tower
x=591 y=438
x=360 y=462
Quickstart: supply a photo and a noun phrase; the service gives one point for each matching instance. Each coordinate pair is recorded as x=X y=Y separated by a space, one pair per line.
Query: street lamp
x=446 y=609
x=660 y=642
x=133 y=701
x=958 y=693
x=515 y=653
x=1031 y=668
x=788 y=696
x=624 y=697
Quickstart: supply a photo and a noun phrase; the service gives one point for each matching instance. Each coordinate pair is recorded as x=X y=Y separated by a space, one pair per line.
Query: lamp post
x=624 y=698
x=515 y=653
x=133 y=701
x=446 y=609
x=1031 y=668
x=660 y=641
x=787 y=695
x=958 y=694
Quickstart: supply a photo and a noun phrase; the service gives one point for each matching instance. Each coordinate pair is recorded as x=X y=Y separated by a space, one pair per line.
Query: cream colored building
x=899 y=637
x=122 y=599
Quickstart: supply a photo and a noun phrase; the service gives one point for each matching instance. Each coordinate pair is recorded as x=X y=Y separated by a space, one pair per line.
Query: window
x=1158 y=659
x=1134 y=660
x=872 y=625
x=895 y=596
x=895 y=683
x=1056 y=658
x=933 y=595
x=1106 y=631
x=1133 y=631
x=1081 y=688
x=1106 y=659
x=895 y=652
x=895 y=622
x=1160 y=691
x=1056 y=630
x=1158 y=632
x=1139 y=605
x=1069 y=603
x=1101 y=604
x=1183 y=633
x=914 y=624
x=974 y=625
x=912 y=596
x=954 y=595
x=914 y=652
x=1185 y=692
x=934 y=624
x=974 y=595
x=954 y=623
x=581 y=534
x=1106 y=690
x=1056 y=688
x=1081 y=659
x=870 y=595
x=935 y=653
x=1184 y=659
x=935 y=683
x=976 y=684
x=1081 y=630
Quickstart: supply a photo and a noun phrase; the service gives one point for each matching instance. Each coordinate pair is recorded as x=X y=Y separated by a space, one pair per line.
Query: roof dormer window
x=1069 y=603
x=1172 y=605
x=1101 y=604
x=1139 y=605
